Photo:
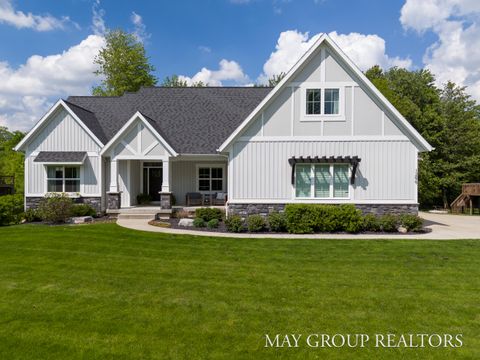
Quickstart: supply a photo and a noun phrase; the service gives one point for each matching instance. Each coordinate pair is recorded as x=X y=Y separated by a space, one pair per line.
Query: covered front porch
x=167 y=183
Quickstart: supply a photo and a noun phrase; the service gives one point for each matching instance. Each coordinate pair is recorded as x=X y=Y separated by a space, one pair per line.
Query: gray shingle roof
x=192 y=120
x=60 y=156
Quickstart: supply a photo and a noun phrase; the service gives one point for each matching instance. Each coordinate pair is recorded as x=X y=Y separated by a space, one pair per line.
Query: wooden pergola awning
x=352 y=160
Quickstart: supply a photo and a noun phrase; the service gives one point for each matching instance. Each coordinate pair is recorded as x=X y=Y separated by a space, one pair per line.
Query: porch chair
x=194 y=199
x=219 y=198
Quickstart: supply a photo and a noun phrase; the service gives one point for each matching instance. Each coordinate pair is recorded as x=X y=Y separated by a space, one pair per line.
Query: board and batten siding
x=387 y=171
x=63 y=133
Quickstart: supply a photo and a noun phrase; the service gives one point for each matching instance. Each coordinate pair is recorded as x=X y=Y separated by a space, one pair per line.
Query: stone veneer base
x=376 y=209
x=32 y=202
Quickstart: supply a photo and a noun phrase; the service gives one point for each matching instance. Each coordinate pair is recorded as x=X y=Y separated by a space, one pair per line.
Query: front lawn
x=104 y=292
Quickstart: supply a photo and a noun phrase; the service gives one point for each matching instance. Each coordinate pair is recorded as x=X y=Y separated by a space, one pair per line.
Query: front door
x=155 y=178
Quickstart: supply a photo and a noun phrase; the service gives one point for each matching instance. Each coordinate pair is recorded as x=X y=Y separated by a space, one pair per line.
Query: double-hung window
x=210 y=178
x=322 y=181
x=63 y=179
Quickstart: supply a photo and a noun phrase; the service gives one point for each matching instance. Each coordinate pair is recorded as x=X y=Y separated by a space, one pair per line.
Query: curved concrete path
x=443 y=226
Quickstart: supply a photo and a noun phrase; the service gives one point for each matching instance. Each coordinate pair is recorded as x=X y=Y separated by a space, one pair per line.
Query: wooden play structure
x=468 y=199
x=7 y=185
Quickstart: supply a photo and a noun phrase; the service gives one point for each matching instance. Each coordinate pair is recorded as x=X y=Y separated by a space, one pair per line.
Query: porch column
x=113 y=196
x=165 y=194
x=166 y=176
x=113 y=176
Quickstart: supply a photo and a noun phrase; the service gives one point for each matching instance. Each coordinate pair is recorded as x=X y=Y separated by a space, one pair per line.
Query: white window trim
x=197 y=183
x=304 y=117
x=71 y=194
x=312 y=184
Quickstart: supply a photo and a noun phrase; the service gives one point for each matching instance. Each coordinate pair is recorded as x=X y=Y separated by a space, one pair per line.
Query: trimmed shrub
x=349 y=218
x=213 y=224
x=181 y=214
x=388 y=223
x=208 y=214
x=11 y=209
x=143 y=199
x=32 y=215
x=277 y=222
x=371 y=223
x=234 y=223
x=301 y=218
x=256 y=223
x=55 y=208
x=411 y=222
x=199 y=222
x=83 y=210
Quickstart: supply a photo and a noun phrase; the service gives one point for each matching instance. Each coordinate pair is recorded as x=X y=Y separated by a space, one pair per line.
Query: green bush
x=411 y=222
x=143 y=199
x=11 y=209
x=208 y=214
x=277 y=222
x=32 y=215
x=349 y=218
x=213 y=224
x=83 y=210
x=371 y=223
x=55 y=208
x=256 y=223
x=234 y=223
x=388 y=223
x=300 y=218
x=199 y=222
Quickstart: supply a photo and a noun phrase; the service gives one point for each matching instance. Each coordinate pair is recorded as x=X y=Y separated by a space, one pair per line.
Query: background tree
x=11 y=162
x=448 y=119
x=275 y=79
x=176 y=81
x=123 y=65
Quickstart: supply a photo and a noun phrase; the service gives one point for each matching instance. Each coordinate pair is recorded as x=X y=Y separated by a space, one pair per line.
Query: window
x=322 y=181
x=210 y=178
x=63 y=179
x=313 y=101
x=332 y=102
x=324 y=102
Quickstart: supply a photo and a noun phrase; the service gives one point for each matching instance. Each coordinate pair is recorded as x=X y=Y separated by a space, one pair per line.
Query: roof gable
x=347 y=69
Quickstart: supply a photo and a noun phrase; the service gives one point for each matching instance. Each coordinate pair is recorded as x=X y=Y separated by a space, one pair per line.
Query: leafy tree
x=275 y=79
x=175 y=81
x=11 y=162
x=123 y=64
x=448 y=119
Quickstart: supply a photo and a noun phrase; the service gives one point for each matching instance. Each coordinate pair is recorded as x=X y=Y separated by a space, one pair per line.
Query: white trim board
x=415 y=137
x=39 y=125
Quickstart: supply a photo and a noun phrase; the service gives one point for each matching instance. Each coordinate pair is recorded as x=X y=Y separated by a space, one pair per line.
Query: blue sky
x=47 y=45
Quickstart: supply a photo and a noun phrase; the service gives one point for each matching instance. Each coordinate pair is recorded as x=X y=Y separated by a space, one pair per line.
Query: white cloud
x=204 y=49
x=27 y=91
x=229 y=71
x=140 y=31
x=21 y=20
x=364 y=50
x=98 y=21
x=455 y=55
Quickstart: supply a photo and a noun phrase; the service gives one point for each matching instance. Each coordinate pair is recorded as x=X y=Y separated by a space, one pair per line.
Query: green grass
x=104 y=292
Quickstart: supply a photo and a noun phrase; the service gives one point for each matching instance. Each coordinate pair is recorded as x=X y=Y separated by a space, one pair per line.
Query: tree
x=11 y=162
x=275 y=79
x=447 y=118
x=176 y=81
x=123 y=65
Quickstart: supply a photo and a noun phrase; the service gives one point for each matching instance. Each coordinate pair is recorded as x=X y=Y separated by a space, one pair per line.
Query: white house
x=324 y=134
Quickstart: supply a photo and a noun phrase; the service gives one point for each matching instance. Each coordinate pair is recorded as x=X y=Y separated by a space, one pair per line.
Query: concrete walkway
x=443 y=226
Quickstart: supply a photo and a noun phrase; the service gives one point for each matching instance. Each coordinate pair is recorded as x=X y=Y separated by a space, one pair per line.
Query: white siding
x=261 y=170
x=63 y=133
x=124 y=182
x=184 y=178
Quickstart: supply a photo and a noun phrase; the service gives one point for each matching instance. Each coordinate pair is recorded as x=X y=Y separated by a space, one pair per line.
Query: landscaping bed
x=297 y=219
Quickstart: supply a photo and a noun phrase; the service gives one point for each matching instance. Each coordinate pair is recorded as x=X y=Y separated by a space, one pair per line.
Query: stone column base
x=114 y=200
x=165 y=200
